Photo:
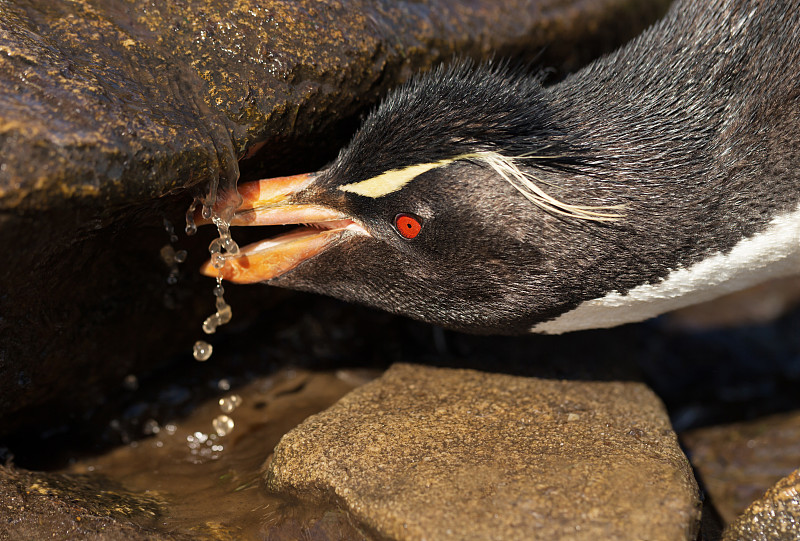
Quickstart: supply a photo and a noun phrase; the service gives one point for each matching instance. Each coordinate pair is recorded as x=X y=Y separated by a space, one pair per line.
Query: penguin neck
x=771 y=254
x=681 y=132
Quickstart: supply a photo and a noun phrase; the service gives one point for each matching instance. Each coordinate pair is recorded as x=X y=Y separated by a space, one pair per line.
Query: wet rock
x=37 y=506
x=774 y=517
x=427 y=453
x=112 y=112
x=738 y=462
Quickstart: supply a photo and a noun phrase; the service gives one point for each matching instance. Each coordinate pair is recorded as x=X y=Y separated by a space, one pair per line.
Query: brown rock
x=426 y=453
x=110 y=111
x=774 y=517
x=38 y=506
x=739 y=461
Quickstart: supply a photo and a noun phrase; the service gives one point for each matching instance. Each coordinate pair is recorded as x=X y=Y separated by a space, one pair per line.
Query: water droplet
x=222 y=226
x=202 y=350
x=180 y=256
x=131 y=382
x=224 y=312
x=207 y=211
x=223 y=425
x=219 y=291
x=167 y=254
x=172 y=279
x=191 y=228
x=216 y=246
x=224 y=385
x=151 y=427
x=210 y=324
x=229 y=403
x=171 y=428
x=217 y=260
x=230 y=246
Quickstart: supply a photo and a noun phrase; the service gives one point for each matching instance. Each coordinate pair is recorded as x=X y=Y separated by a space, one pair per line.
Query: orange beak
x=269 y=202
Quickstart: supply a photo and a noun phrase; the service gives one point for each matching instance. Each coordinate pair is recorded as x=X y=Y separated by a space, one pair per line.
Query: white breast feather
x=773 y=253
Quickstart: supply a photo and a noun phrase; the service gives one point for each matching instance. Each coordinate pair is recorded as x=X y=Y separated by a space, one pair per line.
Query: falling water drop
x=219 y=291
x=229 y=403
x=210 y=324
x=191 y=227
x=223 y=425
x=202 y=350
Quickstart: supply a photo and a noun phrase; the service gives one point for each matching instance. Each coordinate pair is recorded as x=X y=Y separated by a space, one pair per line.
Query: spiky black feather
x=459 y=109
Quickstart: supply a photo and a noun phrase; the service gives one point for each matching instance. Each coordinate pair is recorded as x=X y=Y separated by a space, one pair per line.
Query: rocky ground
x=559 y=436
x=349 y=424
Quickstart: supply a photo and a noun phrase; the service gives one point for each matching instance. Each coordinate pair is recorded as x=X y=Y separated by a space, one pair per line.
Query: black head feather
x=459 y=109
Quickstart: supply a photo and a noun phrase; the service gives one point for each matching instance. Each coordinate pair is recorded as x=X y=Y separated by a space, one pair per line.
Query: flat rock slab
x=430 y=453
x=774 y=517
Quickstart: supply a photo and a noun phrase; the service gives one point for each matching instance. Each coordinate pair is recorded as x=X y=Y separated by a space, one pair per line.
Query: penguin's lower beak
x=270 y=202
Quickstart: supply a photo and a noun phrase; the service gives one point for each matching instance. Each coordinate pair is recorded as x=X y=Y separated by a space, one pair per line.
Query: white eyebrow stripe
x=506 y=167
x=392 y=180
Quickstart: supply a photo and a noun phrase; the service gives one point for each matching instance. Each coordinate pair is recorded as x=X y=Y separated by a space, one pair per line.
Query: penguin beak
x=270 y=202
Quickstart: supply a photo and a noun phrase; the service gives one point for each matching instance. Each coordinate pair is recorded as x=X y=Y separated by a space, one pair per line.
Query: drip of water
x=202 y=350
x=170 y=231
x=223 y=425
x=219 y=291
x=151 y=427
x=223 y=314
x=170 y=256
x=131 y=382
x=229 y=403
x=191 y=228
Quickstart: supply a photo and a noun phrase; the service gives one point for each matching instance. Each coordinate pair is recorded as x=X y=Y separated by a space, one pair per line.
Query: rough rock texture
x=427 y=453
x=111 y=109
x=774 y=517
x=738 y=462
x=73 y=507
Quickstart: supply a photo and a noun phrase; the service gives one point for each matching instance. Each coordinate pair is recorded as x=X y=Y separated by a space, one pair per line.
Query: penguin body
x=474 y=198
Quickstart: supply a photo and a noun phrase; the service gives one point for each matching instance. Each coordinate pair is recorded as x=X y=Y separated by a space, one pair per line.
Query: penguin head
x=435 y=210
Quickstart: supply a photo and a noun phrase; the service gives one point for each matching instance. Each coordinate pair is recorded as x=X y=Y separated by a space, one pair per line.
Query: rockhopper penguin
x=664 y=174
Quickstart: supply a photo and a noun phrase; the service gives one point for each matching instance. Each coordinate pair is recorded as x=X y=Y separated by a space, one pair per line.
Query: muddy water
x=211 y=485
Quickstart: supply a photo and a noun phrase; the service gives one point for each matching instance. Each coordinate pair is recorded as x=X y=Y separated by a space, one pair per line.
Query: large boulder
x=431 y=453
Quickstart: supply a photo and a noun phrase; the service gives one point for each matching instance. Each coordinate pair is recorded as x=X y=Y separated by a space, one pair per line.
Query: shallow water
x=211 y=486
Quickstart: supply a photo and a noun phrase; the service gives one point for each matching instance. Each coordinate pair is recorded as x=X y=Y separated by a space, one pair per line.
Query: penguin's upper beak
x=271 y=202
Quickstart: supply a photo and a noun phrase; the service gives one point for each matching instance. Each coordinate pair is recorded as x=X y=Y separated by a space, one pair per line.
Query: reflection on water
x=211 y=482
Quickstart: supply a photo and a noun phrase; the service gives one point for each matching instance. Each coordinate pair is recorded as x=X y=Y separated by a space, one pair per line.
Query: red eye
x=407 y=225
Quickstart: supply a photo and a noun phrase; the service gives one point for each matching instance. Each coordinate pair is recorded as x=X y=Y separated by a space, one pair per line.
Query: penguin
x=475 y=198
